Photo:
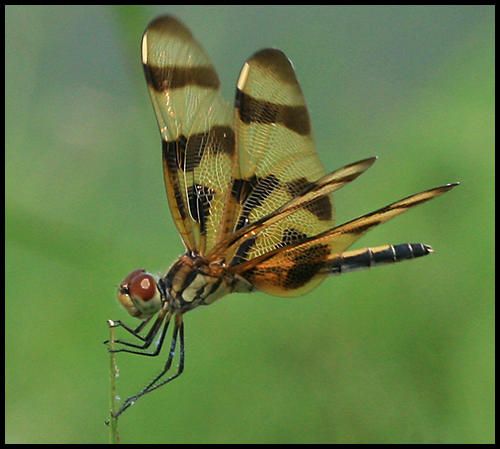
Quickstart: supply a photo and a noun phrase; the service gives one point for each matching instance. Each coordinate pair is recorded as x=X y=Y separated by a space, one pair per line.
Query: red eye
x=142 y=286
x=139 y=294
x=125 y=285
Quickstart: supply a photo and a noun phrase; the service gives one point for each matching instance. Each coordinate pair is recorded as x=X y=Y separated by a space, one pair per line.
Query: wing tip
x=169 y=25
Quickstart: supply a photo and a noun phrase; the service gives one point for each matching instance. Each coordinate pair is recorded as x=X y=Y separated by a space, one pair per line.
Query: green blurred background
x=400 y=354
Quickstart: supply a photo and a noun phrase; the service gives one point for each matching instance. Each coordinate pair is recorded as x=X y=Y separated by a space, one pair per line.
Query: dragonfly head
x=139 y=294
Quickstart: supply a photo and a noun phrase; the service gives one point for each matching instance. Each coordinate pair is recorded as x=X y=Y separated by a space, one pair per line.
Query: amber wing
x=196 y=127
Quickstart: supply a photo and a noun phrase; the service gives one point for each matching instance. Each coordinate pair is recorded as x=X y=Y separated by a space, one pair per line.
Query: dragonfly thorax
x=191 y=282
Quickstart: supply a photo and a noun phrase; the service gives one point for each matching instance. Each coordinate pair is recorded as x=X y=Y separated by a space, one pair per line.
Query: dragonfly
x=247 y=191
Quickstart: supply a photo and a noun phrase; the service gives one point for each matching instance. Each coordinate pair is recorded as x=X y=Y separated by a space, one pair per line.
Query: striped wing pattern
x=245 y=185
x=248 y=194
x=300 y=267
x=196 y=127
x=217 y=182
x=278 y=160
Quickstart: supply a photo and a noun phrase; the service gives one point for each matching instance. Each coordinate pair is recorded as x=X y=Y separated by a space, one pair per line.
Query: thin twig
x=114 y=437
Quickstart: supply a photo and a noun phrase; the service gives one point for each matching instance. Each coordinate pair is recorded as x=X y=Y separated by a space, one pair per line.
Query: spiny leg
x=149 y=338
x=159 y=343
x=179 y=324
x=178 y=332
x=135 y=332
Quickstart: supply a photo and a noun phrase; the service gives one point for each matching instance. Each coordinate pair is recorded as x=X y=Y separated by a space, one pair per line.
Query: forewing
x=277 y=157
x=196 y=127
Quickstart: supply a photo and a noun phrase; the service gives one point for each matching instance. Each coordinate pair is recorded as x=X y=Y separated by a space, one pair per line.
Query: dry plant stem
x=114 y=438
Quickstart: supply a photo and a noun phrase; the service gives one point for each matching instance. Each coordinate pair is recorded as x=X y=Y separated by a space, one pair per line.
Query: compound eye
x=143 y=287
x=126 y=282
x=139 y=294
